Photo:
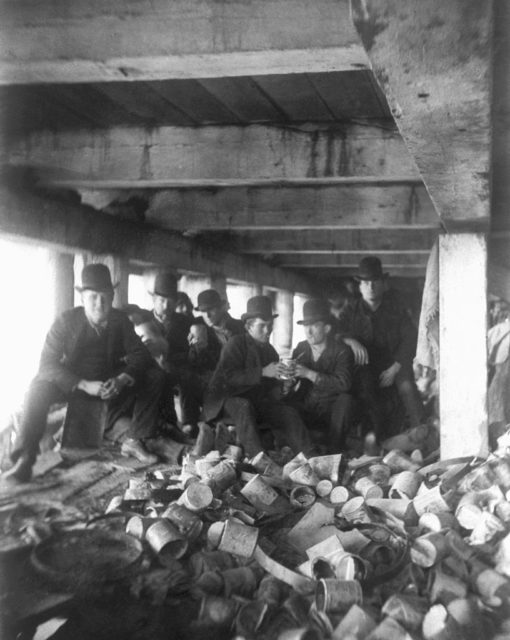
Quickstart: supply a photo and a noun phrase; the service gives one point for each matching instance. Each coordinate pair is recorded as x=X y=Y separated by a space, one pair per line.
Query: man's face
x=260 y=330
x=372 y=290
x=213 y=316
x=317 y=332
x=97 y=305
x=163 y=307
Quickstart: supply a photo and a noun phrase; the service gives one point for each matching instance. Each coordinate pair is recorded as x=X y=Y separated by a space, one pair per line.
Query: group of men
x=223 y=368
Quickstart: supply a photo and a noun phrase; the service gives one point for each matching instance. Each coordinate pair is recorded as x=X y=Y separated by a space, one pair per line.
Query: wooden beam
x=73 y=41
x=131 y=158
x=267 y=208
x=463 y=344
x=76 y=227
x=326 y=274
x=433 y=61
x=336 y=241
x=349 y=261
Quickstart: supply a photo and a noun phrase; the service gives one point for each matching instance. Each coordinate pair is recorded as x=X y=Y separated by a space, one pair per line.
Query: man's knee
x=238 y=405
x=155 y=380
x=405 y=386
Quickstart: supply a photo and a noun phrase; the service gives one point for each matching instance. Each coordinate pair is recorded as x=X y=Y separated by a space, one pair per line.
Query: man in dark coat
x=382 y=336
x=323 y=368
x=246 y=384
x=94 y=350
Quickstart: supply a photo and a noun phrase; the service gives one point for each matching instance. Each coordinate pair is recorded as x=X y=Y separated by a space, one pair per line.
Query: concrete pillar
x=463 y=338
x=283 y=324
x=61 y=265
x=118 y=269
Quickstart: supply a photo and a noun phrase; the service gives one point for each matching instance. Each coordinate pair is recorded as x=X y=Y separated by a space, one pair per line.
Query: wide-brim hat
x=316 y=310
x=259 y=307
x=208 y=299
x=97 y=277
x=165 y=285
x=370 y=268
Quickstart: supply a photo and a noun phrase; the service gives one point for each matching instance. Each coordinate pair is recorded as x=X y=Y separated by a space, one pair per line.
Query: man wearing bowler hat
x=246 y=384
x=382 y=337
x=92 y=349
x=323 y=368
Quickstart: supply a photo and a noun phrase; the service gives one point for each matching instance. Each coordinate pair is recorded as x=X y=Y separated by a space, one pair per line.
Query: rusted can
x=337 y=596
x=238 y=538
x=258 y=492
x=304 y=475
x=398 y=461
x=166 y=540
x=405 y=485
x=340 y=565
x=356 y=510
x=186 y=521
x=302 y=497
x=367 y=488
x=429 y=549
x=197 y=497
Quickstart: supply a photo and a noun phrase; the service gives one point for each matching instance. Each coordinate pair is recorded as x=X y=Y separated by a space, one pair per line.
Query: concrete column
x=283 y=324
x=463 y=339
x=118 y=269
x=63 y=277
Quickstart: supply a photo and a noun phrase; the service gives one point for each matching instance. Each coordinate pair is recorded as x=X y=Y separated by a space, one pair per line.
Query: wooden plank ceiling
x=303 y=170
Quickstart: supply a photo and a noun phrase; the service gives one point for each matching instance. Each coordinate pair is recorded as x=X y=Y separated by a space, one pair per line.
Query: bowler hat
x=97 y=277
x=208 y=299
x=370 y=268
x=259 y=307
x=316 y=310
x=165 y=285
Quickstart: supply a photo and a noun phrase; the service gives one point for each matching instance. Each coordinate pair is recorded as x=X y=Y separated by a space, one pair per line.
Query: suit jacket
x=125 y=351
x=176 y=331
x=205 y=360
x=238 y=371
x=334 y=367
x=388 y=333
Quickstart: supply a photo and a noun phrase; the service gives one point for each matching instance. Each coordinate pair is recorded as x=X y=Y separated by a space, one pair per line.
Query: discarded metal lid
x=83 y=557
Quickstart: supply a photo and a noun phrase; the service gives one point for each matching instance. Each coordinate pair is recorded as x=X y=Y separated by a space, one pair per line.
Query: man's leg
x=408 y=393
x=40 y=396
x=366 y=389
x=242 y=412
x=287 y=419
x=340 y=421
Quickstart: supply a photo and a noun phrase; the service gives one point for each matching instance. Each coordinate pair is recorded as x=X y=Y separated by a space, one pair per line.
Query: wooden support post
x=193 y=285
x=118 y=269
x=63 y=277
x=219 y=283
x=283 y=324
x=463 y=333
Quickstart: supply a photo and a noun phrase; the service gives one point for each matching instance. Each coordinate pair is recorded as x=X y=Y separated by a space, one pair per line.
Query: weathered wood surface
x=66 y=225
x=463 y=340
x=269 y=208
x=76 y=41
x=433 y=61
x=336 y=241
x=345 y=260
x=131 y=158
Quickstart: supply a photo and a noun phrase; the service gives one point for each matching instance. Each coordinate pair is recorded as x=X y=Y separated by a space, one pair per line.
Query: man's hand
x=305 y=372
x=112 y=387
x=274 y=370
x=197 y=336
x=387 y=377
x=90 y=387
x=360 y=352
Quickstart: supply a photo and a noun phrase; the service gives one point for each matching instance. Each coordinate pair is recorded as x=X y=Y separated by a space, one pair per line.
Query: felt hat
x=97 y=277
x=208 y=299
x=259 y=307
x=165 y=285
x=316 y=310
x=370 y=268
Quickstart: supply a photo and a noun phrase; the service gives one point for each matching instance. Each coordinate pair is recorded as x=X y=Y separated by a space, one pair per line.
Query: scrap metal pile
x=326 y=547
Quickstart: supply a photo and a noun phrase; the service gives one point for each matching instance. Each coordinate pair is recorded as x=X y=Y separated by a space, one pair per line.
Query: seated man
x=382 y=337
x=323 y=367
x=94 y=350
x=246 y=384
x=206 y=341
x=174 y=327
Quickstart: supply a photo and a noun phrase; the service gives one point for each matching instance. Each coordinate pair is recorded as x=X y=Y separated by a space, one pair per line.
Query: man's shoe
x=135 y=449
x=21 y=471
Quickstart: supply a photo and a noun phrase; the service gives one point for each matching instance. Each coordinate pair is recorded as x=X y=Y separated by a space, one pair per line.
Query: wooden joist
x=389 y=261
x=73 y=41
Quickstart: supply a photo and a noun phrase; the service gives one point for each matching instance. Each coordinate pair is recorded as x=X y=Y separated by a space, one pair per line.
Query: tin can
x=221 y=477
x=444 y=588
x=137 y=526
x=233 y=452
x=431 y=500
x=197 y=497
x=399 y=461
x=437 y=521
x=339 y=495
x=265 y=466
x=324 y=488
x=356 y=624
x=238 y=538
x=429 y=549
x=367 y=488
x=166 y=540
x=405 y=485
x=408 y=610
x=337 y=596
x=327 y=467
x=258 y=492
x=356 y=510
x=302 y=497
x=187 y=522
x=304 y=475
x=218 y=611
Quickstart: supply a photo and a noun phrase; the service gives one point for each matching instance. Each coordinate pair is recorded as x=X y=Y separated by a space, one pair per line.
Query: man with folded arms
x=92 y=349
x=323 y=368
x=246 y=384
